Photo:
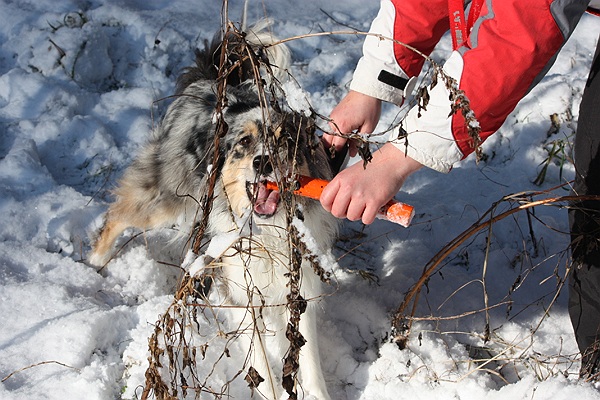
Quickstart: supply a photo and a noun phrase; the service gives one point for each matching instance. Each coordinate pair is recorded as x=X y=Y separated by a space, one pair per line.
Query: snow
x=81 y=87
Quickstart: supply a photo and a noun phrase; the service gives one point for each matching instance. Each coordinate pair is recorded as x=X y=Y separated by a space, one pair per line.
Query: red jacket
x=511 y=46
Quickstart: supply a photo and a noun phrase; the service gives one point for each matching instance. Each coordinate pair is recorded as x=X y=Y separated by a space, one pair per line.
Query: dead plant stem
x=486 y=221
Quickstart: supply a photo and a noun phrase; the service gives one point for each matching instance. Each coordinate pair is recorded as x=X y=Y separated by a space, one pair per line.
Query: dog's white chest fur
x=259 y=267
x=255 y=274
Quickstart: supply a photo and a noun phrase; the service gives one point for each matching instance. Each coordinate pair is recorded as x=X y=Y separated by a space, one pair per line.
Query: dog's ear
x=205 y=69
x=237 y=55
x=208 y=61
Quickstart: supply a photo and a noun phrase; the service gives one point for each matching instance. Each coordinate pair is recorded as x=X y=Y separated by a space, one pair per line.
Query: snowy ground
x=77 y=84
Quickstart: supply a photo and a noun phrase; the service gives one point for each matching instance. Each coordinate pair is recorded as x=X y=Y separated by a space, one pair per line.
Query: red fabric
x=420 y=24
x=593 y=11
x=513 y=47
x=475 y=12
x=458 y=23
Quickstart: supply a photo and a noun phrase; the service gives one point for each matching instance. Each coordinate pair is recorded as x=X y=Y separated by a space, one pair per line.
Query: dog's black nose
x=262 y=165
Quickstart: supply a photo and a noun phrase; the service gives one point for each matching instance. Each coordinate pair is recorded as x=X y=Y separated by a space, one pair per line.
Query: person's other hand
x=356 y=112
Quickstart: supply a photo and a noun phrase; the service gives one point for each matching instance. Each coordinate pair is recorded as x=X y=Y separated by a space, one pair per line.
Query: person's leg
x=584 y=216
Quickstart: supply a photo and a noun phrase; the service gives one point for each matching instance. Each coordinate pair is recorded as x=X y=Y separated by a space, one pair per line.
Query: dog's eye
x=245 y=141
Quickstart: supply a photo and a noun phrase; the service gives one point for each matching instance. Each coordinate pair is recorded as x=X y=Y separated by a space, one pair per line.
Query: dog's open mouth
x=265 y=201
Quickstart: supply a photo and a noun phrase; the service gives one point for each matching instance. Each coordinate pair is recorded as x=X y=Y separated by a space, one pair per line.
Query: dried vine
x=405 y=313
x=173 y=355
x=175 y=321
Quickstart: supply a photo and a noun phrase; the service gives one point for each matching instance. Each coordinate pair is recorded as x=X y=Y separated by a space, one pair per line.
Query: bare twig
x=37 y=365
x=400 y=322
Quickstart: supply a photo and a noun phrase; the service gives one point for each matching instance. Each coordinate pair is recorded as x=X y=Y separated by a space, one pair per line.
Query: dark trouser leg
x=584 y=217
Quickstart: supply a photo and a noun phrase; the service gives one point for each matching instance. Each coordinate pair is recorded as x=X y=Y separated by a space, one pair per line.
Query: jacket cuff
x=430 y=139
x=370 y=79
x=416 y=146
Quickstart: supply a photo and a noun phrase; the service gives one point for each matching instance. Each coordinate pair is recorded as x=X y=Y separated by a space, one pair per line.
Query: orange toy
x=393 y=211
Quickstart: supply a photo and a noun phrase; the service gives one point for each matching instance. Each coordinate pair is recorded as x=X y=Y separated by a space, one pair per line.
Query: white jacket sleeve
x=430 y=141
x=377 y=73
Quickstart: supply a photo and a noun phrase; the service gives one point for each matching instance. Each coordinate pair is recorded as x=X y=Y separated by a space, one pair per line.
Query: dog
x=169 y=178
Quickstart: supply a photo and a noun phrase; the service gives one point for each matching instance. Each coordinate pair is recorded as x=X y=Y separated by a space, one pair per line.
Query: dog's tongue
x=266 y=200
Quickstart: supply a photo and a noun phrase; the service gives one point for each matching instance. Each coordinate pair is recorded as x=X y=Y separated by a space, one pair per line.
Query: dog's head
x=259 y=142
x=258 y=139
x=261 y=148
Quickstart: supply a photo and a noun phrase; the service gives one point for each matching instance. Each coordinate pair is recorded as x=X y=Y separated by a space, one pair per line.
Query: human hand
x=358 y=192
x=356 y=112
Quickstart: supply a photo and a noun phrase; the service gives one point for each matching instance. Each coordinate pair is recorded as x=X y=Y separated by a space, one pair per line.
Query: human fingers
x=333 y=201
x=356 y=198
x=356 y=208
x=369 y=213
x=328 y=196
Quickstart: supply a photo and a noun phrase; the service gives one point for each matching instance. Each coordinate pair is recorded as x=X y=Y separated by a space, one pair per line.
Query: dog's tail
x=241 y=66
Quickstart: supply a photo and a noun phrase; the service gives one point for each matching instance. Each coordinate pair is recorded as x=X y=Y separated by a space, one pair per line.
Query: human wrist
x=398 y=161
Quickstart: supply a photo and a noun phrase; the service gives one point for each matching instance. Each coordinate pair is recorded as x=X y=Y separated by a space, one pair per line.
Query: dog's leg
x=112 y=228
x=311 y=375
x=129 y=212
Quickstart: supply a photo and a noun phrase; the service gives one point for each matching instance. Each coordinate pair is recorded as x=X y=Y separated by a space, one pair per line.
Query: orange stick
x=394 y=211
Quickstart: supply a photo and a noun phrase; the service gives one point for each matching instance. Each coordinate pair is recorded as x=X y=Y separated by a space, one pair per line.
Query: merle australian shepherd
x=166 y=181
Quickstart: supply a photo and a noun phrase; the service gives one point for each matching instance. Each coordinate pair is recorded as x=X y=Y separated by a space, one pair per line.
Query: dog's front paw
x=98 y=259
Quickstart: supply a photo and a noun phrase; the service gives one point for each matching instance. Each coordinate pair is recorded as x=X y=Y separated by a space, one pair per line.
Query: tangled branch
x=405 y=313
